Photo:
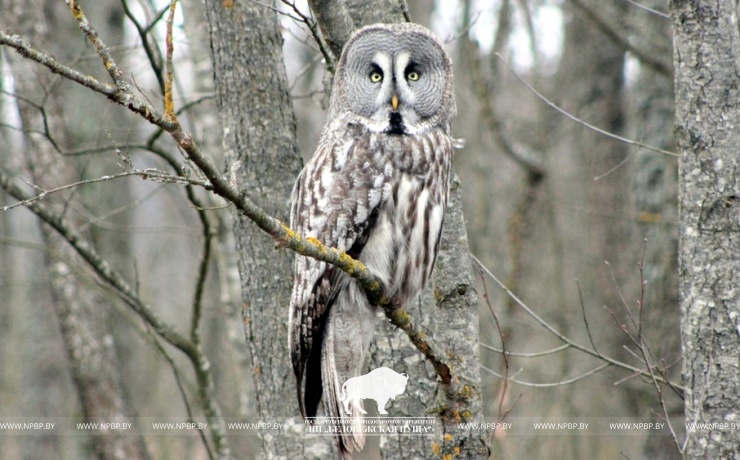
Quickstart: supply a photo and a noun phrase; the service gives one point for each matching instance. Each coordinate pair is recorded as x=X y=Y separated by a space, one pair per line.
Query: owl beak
x=394 y=102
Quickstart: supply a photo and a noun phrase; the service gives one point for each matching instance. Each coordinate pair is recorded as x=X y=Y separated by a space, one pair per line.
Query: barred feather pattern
x=380 y=197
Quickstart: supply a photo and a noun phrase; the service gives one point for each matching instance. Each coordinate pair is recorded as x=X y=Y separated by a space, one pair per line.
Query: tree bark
x=261 y=153
x=706 y=47
x=456 y=317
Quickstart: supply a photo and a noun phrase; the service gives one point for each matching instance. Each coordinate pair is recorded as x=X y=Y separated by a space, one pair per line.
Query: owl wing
x=335 y=200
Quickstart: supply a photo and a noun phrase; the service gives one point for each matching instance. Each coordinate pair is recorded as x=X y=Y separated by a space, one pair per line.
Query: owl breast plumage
x=376 y=188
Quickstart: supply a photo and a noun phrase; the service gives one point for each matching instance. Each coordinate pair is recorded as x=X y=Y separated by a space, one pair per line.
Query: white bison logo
x=380 y=384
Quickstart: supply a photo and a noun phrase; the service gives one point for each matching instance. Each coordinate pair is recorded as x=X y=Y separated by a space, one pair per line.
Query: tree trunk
x=260 y=146
x=93 y=362
x=456 y=317
x=261 y=153
x=706 y=47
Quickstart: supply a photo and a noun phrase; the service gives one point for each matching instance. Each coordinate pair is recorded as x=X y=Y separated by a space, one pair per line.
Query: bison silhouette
x=380 y=384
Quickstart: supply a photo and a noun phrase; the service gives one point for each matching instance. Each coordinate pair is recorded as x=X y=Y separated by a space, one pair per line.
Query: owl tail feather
x=313 y=388
x=340 y=362
x=310 y=395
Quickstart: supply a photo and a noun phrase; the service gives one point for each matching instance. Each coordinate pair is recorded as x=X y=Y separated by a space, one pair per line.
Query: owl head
x=394 y=78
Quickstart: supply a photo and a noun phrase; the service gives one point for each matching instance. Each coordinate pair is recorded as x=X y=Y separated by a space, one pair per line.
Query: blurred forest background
x=572 y=221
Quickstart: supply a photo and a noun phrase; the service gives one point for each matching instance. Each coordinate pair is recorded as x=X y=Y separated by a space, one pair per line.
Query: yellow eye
x=413 y=75
x=375 y=77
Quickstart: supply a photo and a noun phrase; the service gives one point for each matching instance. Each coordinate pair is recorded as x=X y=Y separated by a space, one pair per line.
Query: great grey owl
x=376 y=188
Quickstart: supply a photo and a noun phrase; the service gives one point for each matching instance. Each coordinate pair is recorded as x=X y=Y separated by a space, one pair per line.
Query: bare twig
x=404 y=10
x=313 y=27
x=154 y=55
x=151 y=174
x=307 y=95
x=585 y=319
x=120 y=95
x=629 y=376
x=526 y=355
x=639 y=341
x=621 y=295
x=645 y=351
x=647 y=8
x=94 y=220
x=559 y=335
x=335 y=23
x=157 y=17
x=664 y=372
x=622 y=326
x=578 y=120
x=615 y=167
x=306 y=68
x=548 y=385
x=44 y=117
x=501 y=414
x=628 y=350
x=659 y=392
x=643 y=283
x=115 y=74
x=502 y=336
x=464 y=30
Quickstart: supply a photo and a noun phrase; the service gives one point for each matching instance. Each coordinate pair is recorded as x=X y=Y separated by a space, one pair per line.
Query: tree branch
x=566 y=340
x=169 y=104
x=547 y=385
x=648 y=9
x=335 y=23
x=530 y=160
x=286 y=238
x=122 y=96
x=153 y=53
x=96 y=261
x=614 y=35
x=153 y=174
x=329 y=56
x=578 y=120
x=115 y=74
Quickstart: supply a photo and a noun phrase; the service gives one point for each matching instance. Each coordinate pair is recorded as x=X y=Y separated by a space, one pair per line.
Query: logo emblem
x=380 y=384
